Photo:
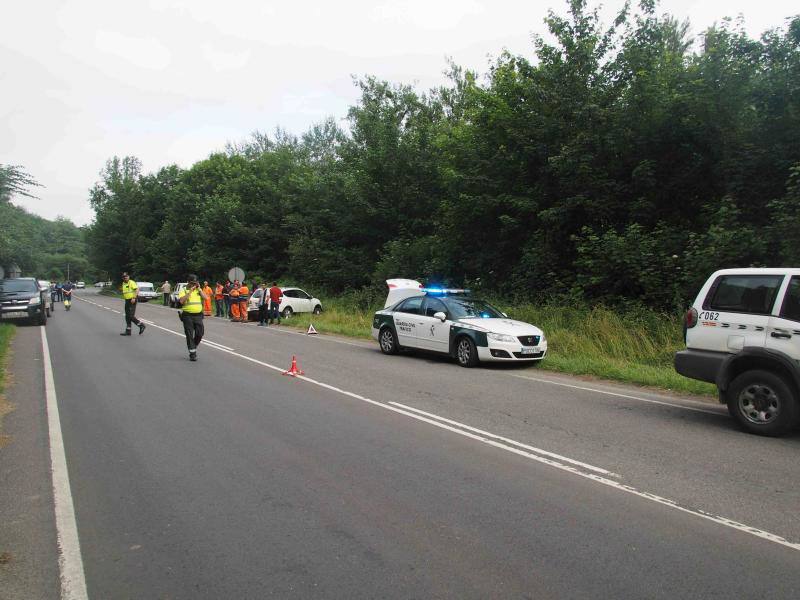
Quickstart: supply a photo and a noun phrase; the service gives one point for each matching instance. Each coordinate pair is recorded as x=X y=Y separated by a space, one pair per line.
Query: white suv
x=146 y=291
x=743 y=334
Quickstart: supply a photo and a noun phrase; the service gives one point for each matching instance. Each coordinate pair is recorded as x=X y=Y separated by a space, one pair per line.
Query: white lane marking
x=560 y=457
x=216 y=344
x=70 y=564
x=606 y=392
x=441 y=423
x=205 y=340
x=322 y=337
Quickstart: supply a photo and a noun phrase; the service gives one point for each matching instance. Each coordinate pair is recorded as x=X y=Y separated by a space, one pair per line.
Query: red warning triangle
x=311 y=330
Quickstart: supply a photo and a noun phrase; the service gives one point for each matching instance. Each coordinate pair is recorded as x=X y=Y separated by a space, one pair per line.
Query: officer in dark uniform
x=129 y=291
x=191 y=300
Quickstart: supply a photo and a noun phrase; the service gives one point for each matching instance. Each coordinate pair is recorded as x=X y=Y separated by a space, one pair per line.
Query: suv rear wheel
x=762 y=403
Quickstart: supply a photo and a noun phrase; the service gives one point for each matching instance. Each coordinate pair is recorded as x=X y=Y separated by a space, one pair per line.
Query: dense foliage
x=40 y=248
x=616 y=163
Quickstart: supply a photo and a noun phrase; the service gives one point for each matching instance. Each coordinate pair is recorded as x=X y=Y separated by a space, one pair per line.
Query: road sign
x=236 y=273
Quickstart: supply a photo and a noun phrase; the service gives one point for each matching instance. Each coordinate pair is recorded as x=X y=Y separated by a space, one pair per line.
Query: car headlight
x=543 y=339
x=501 y=337
x=35 y=301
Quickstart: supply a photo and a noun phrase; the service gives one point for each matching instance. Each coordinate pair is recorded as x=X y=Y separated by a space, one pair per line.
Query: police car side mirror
x=505 y=315
x=441 y=316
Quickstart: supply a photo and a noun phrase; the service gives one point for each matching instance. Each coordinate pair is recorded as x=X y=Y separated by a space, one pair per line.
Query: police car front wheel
x=466 y=352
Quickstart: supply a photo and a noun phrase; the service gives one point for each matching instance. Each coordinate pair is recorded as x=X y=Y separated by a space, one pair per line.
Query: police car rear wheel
x=466 y=352
x=388 y=341
x=287 y=312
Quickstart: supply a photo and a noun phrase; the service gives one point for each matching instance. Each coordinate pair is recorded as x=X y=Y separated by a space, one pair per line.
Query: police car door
x=434 y=334
x=784 y=329
x=407 y=321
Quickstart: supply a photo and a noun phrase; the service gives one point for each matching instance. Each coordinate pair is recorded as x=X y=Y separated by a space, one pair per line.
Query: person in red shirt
x=275 y=297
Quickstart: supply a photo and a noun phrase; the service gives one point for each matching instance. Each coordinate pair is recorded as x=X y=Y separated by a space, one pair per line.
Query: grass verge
x=636 y=346
x=6 y=333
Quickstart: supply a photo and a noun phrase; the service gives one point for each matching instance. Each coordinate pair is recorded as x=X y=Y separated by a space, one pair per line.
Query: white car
x=146 y=291
x=294 y=300
x=454 y=323
x=44 y=286
x=80 y=285
x=173 y=297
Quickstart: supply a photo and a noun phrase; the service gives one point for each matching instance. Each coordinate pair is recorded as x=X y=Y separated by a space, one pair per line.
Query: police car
x=452 y=322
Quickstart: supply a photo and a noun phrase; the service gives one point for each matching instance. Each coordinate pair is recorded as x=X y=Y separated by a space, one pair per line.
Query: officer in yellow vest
x=129 y=291
x=191 y=300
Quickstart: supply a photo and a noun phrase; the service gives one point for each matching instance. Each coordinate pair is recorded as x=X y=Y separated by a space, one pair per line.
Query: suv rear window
x=791 y=303
x=744 y=293
x=18 y=285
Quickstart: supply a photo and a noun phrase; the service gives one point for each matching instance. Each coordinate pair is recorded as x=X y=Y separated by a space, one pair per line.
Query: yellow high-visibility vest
x=129 y=289
x=194 y=304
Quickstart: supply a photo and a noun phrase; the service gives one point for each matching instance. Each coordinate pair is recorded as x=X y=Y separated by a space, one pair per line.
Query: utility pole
x=67 y=271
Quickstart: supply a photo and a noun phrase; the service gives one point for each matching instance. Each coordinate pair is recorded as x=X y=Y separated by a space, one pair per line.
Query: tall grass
x=6 y=333
x=634 y=345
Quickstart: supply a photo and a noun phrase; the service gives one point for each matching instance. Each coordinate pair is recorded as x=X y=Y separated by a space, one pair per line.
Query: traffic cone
x=311 y=330
x=294 y=370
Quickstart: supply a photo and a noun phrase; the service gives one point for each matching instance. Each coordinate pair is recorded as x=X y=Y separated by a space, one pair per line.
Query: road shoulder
x=27 y=520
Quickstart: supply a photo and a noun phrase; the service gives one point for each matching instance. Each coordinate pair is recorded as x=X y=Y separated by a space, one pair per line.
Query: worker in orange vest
x=244 y=294
x=218 y=299
x=207 y=299
x=235 y=301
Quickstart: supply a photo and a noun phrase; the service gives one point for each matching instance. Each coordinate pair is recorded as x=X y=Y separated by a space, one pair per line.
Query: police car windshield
x=469 y=308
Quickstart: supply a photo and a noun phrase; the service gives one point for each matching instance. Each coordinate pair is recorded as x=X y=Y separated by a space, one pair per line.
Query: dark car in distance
x=22 y=298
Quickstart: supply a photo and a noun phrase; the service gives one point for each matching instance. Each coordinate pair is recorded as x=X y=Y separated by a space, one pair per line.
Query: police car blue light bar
x=434 y=291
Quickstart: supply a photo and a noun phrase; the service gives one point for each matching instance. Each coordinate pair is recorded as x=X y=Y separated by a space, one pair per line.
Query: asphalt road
x=400 y=477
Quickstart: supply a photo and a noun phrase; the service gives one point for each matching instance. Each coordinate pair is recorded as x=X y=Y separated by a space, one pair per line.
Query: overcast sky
x=172 y=81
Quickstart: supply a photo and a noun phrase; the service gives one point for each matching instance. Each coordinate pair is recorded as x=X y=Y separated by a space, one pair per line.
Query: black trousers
x=193 y=328
x=130 y=314
x=263 y=313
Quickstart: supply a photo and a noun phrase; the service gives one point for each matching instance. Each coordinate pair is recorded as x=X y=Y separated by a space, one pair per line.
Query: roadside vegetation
x=610 y=162
x=612 y=165
x=6 y=333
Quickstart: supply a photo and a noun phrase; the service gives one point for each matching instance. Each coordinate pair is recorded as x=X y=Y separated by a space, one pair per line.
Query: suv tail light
x=691 y=318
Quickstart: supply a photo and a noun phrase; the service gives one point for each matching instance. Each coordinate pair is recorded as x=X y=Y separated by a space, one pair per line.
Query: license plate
x=15 y=315
x=534 y=350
